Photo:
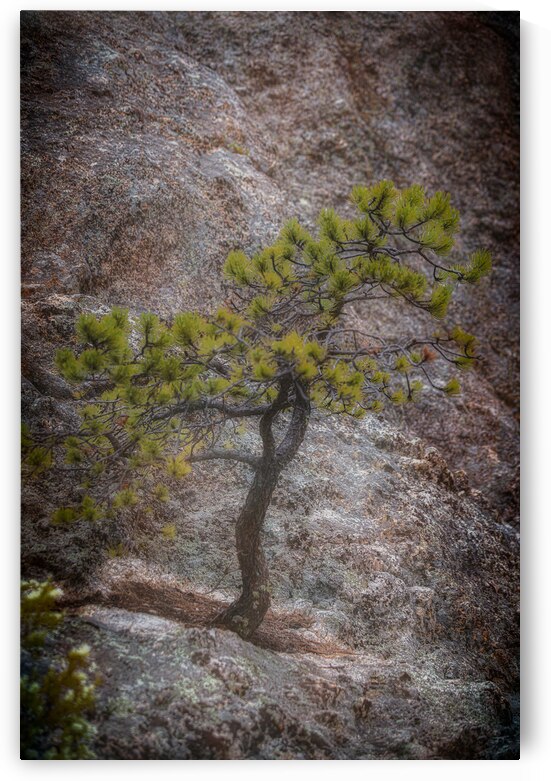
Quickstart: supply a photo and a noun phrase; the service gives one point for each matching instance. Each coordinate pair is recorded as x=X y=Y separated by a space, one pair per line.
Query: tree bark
x=245 y=615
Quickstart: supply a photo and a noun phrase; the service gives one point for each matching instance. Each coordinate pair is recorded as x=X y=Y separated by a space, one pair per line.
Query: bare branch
x=227 y=455
x=201 y=405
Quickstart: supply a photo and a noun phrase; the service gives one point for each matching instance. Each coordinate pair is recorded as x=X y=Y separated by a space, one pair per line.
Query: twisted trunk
x=245 y=615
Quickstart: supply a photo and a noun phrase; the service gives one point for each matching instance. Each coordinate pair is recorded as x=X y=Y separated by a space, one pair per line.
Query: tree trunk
x=245 y=615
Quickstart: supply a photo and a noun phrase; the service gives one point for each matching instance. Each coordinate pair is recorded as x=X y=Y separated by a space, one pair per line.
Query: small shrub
x=57 y=694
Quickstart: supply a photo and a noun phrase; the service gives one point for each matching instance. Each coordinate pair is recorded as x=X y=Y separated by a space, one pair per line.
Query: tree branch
x=220 y=406
x=268 y=417
x=294 y=435
x=228 y=455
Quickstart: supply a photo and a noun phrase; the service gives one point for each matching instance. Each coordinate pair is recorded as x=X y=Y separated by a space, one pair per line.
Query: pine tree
x=171 y=393
x=57 y=694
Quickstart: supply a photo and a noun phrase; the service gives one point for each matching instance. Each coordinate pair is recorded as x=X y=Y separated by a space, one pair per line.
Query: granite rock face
x=151 y=145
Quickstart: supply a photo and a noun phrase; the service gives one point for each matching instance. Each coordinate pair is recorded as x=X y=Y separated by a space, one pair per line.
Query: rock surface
x=151 y=145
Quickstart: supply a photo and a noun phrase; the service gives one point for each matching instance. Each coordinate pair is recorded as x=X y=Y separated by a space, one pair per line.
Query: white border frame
x=536 y=388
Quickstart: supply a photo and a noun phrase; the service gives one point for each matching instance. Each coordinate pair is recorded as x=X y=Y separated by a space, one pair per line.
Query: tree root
x=280 y=630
